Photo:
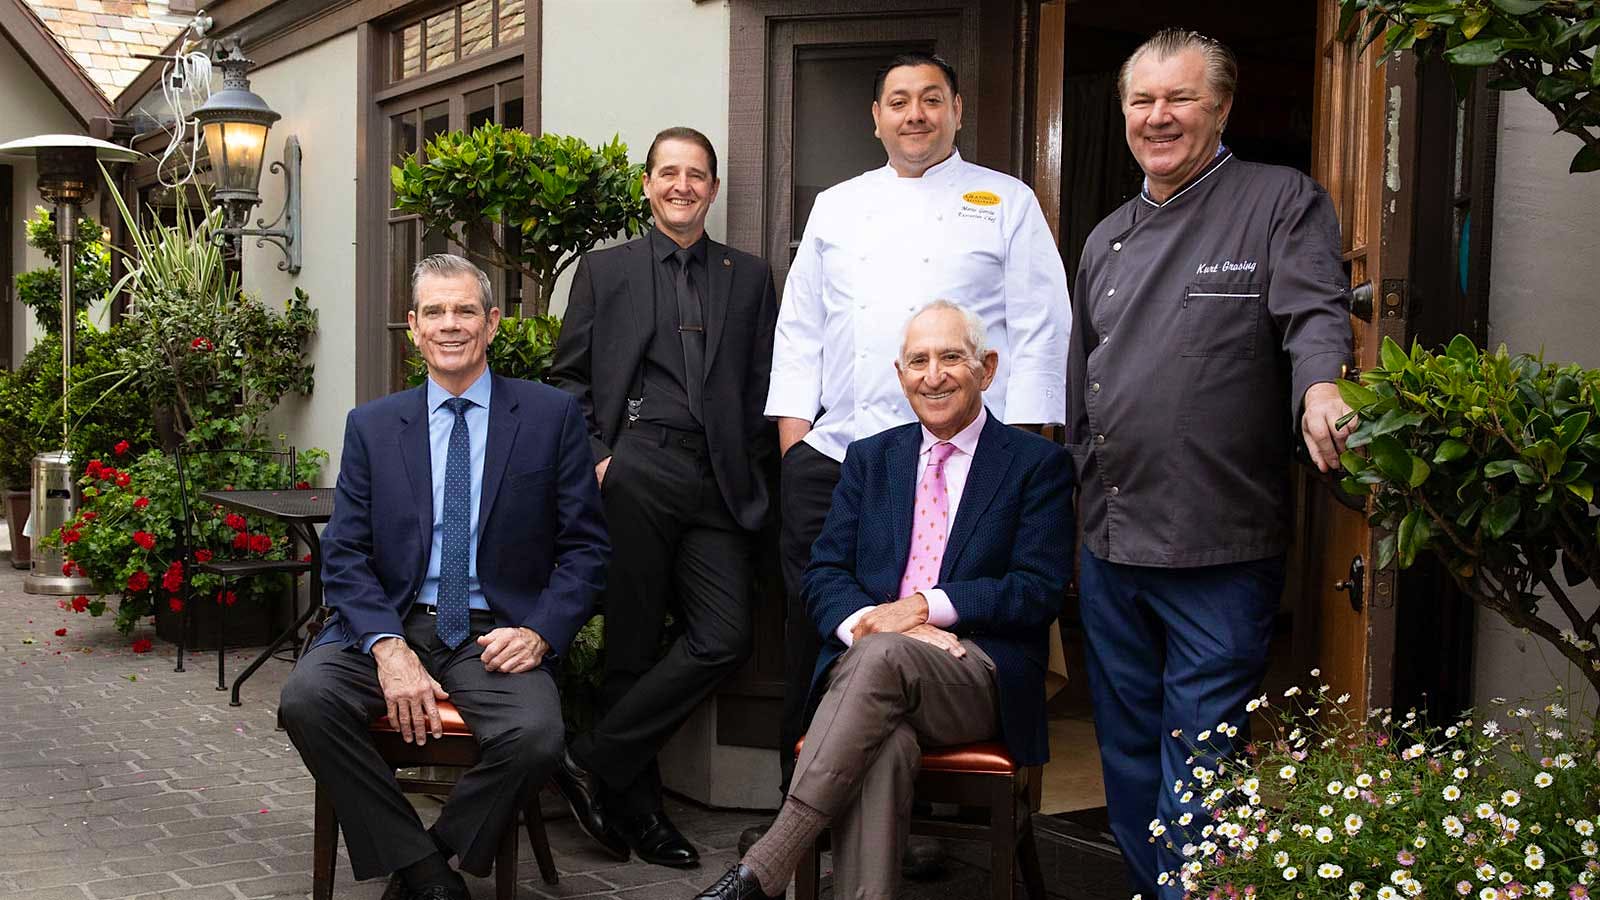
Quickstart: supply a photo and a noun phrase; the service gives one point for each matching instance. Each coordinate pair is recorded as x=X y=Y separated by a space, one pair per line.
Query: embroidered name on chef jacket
x=978 y=205
x=1227 y=265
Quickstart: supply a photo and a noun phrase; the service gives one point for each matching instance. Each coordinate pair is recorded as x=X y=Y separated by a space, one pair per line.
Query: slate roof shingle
x=103 y=36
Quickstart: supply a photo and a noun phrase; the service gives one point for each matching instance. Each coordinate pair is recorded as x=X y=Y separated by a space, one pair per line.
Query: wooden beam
x=1049 y=105
x=54 y=66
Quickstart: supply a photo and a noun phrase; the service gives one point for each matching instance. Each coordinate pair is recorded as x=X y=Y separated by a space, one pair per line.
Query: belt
x=662 y=436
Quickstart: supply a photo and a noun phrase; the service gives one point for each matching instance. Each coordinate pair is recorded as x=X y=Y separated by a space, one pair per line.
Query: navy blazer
x=542 y=545
x=1005 y=569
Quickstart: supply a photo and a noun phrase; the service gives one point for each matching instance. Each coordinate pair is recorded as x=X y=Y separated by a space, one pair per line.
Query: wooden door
x=1362 y=155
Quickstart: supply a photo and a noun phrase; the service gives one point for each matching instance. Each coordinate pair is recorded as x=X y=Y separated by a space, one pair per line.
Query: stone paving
x=122 y=778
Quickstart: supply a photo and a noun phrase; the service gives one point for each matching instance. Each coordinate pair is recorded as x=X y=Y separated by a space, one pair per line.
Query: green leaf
x=1482 y=52
x=1501 y=515
x=1474 y=22
x=1520 y=7
x=1352 y=463
x=1583 y=489
x=1391 y=458
x=1412 y=535
x=1498 y=467
x=1393 y=357
x=1461 y=348
x=1449 y=451
x=1394 y=420
x=1525 y=473
x=1354 y=395
x=1587 y=158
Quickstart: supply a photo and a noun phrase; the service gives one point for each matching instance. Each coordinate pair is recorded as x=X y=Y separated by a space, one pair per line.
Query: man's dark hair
x=916 y=58
x=681 y=133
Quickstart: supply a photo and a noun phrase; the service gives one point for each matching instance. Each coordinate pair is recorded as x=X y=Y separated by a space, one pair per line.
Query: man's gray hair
x=449 y=265
x=1222 y=70
x=972 y=328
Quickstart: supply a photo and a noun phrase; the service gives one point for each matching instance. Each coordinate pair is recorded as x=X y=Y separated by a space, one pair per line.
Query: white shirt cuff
x=843 y=631
x=941 y=613
x=1036 y=398
x=372 y=639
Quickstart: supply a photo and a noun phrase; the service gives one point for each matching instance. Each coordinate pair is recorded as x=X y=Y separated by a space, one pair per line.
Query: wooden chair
x=979 y=777
x=457 y=748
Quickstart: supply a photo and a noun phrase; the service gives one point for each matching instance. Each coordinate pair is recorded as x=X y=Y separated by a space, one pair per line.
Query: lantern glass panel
x=236 y=150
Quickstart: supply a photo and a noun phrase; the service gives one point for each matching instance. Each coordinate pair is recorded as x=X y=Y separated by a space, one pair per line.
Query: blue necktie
x=453 y=563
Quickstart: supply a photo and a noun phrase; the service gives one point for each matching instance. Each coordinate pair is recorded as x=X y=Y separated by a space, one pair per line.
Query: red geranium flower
x=61 y=632
x=66 y=568
x=202 y=556
x=241 y=541
x=94 y=468
x=123 y=479
x=236 y=522
x=80 y=603
x=200 y=344
x=120 y=448
x=138 y=581
x=144 y=539
x=302 y=485
x=141 y=503
x=89 y=515
x=175 y=604
x=171 y=581
x=142 y=645
x=260 y=543
x=70 y=536
x=230 y=598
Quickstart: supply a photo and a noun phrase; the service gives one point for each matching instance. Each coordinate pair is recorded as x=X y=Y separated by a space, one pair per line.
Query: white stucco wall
x=1542 y=297
x=661 y=64
x=315 y=91
x=27 y=108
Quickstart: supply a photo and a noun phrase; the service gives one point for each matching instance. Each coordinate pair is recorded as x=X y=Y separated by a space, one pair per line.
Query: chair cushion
x=982 y=758
x=449 y=717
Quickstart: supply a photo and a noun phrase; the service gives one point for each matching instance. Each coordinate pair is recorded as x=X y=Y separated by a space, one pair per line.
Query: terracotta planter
x=18 y=505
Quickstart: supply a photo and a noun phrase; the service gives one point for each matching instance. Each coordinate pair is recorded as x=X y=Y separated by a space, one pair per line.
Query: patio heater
x=68 y=176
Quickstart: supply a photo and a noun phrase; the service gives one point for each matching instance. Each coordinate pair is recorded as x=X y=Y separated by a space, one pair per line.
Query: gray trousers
x=333 y=695
x=888 y=697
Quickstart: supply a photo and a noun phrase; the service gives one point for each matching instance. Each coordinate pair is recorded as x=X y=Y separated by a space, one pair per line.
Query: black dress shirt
x=1198 y=324
x=666 y=396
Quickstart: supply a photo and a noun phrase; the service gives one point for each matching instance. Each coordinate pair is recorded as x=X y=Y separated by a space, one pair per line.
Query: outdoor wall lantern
x=69 y=173
x=235 y=121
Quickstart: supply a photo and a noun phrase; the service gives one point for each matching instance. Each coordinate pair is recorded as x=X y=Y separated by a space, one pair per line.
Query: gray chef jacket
x=1198 y=325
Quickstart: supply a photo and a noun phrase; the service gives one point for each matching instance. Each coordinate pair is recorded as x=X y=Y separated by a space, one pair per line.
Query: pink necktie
x=929 y=529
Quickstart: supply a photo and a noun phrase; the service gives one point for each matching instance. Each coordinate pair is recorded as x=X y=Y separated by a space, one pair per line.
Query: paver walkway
x=121 y=778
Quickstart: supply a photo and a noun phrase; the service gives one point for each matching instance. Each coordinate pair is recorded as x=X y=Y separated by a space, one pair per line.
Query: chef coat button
x=861 y=306
x=938 y=217
x=861 y=356
x=1114 y=491
x=863 y=257
x=1095 y=388
x=1099 y=439
x=925 y=260
x=1116 y=245
x=1112 y=292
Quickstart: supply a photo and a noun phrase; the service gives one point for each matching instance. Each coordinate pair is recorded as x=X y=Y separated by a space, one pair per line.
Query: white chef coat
x=877 y=248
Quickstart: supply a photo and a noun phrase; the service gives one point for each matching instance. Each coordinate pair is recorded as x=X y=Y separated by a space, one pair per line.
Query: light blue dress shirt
x=440 y=422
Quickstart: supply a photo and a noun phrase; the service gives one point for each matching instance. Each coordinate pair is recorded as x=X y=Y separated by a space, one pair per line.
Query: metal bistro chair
x=190 y=463
x=457 y=748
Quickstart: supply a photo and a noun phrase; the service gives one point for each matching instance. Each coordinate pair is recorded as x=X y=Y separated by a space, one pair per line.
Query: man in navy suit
x=933 y=586
x=465 y=551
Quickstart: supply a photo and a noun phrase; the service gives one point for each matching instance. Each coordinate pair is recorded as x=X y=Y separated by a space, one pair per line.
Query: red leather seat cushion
x=982 y=758
x=449 y=717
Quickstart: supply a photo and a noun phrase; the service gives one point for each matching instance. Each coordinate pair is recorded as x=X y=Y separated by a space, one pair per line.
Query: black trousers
x=805 y=492
x=675 y=547
x=333 y=695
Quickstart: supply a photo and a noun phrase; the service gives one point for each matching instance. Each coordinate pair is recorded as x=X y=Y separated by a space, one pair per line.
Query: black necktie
x=692 y=330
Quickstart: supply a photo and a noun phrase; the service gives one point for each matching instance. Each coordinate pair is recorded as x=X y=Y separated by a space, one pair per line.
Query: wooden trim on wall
x=8 y=231
x=1049 y=103
x=51 y=62
x=371 y=181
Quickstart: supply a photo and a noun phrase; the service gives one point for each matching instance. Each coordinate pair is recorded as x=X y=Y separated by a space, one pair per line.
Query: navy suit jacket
x=542 y=545
x=1005 y=569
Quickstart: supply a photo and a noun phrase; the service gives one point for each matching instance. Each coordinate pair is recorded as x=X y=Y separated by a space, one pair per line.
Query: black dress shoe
x=738 y=884
x=582 y=793
x=657 y=841
x=749 y=836
x=396 y=889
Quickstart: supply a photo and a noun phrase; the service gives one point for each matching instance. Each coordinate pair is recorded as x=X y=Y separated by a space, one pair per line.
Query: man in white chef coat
x=927 y=225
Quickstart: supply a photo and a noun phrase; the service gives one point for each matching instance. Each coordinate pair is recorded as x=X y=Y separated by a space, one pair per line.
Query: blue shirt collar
x=478 y=393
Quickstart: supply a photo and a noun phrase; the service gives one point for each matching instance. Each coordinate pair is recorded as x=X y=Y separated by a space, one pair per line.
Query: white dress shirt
x=877 y=248
x=941 y=613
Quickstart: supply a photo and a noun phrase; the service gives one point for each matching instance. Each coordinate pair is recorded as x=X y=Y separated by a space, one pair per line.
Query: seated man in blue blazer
x=933 y=586
x=465 y=551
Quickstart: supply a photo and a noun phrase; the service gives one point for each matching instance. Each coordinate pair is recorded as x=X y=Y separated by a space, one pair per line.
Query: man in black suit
x=667 y=344
x=465 y=550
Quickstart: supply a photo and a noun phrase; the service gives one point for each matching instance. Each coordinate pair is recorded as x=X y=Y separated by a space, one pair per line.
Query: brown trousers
x=888 y=697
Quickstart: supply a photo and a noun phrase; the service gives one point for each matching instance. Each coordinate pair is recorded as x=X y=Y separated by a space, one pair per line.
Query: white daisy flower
x=1329 y=870
x=1290 y=873
x=1324 y=835
x=1543 y=780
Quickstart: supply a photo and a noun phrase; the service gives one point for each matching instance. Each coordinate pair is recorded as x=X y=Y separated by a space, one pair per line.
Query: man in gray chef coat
x=1210 y=324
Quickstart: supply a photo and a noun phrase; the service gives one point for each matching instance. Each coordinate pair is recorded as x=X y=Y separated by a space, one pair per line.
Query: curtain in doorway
x=1097 y=172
